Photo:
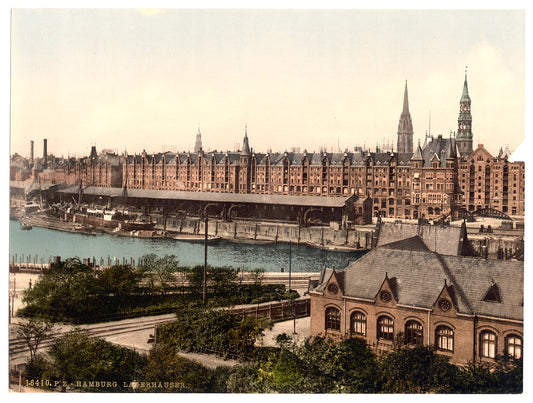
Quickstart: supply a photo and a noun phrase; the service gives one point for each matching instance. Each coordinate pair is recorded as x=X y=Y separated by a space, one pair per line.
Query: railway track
x=18 y=347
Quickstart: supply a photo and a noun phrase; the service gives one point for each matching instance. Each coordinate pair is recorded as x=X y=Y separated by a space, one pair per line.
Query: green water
x=42 y=244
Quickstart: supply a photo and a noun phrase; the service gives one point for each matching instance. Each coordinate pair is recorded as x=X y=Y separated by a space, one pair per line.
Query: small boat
x=197 y=238
x=25 y=225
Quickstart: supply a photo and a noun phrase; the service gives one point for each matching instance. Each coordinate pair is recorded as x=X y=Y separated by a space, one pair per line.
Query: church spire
x=405 y=127
x=405 y=101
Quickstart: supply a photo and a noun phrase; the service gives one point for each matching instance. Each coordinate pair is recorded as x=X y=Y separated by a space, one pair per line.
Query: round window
x=385 y=296
x=332 y=288
x=445 y=304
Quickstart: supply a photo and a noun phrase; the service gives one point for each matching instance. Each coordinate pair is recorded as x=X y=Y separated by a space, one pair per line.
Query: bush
x=211 y=330
x=79 y=357
x=174 y=373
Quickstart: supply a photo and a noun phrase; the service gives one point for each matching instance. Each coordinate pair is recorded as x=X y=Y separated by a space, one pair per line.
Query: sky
x=148 y=79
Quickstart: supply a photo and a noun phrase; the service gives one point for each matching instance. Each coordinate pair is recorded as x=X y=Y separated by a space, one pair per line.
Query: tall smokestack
x=31 y=152
x=45 y=154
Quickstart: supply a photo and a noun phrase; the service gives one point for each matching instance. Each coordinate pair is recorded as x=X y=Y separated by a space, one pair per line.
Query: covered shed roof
x=310 y=201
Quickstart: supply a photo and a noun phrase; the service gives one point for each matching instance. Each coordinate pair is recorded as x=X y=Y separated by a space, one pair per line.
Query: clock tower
x=464 y=132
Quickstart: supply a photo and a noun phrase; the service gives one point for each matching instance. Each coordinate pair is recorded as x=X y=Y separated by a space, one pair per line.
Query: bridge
x=488 y=212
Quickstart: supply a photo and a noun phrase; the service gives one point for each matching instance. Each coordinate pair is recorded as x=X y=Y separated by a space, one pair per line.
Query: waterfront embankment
x=242 y=231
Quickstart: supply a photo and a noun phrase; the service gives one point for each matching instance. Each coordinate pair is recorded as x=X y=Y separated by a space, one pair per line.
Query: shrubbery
x=72 y=292
x=213 y=330
x=77 y=357
x=322 y=366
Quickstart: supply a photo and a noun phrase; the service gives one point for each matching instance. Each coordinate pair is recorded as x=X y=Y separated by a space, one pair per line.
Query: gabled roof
x=478 y=275
x=418 y=154
x=481 y=151
x=436 y=147
x=420 y=275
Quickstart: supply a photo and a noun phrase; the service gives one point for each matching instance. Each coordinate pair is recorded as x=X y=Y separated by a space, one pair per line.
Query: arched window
x=444 y=338
x=414 y=333
x=358 y=323
x=513 y=346
x=487 y=344
x=385 y=328
x=333 y=319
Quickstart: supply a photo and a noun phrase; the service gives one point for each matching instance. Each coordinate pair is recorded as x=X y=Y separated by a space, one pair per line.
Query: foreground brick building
x=470 y=310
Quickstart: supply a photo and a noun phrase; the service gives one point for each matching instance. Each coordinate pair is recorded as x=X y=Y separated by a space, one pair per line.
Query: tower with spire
x=244 y=185
x=198 y=143
x=405 y=127
x=464 y=137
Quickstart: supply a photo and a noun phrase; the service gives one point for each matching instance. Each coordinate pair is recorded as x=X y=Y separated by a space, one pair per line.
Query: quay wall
x=273 y=232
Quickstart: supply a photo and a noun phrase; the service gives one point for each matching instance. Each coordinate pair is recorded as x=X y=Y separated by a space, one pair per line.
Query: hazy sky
x=147 y=79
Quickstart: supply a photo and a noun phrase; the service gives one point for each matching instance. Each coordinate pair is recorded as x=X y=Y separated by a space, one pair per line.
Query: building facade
x=492 y=182
x=438 y=179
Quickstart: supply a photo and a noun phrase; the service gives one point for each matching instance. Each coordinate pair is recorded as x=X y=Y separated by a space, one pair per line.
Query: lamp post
x=206 y=218
x=204 y=290
x=290 y=294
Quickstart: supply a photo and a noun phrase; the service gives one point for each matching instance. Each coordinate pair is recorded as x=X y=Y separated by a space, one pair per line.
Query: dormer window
x=493 y=294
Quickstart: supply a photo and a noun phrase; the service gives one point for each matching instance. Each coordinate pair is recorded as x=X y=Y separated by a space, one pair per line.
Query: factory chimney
x=45 y=154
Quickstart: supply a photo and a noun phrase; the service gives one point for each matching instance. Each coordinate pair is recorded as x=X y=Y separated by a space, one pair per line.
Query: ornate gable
x=387 y=296
x=481 y=152
x=446 y=302
x=335 y=285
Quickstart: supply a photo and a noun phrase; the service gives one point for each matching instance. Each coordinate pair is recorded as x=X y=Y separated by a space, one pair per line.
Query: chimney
x=31 y=152
x=45 y=154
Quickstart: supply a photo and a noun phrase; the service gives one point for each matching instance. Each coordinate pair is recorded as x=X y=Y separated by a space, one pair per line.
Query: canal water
x=45 y=243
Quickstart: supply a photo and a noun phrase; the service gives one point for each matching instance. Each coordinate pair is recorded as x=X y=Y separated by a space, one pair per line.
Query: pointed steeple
x=245 y=145
x=418 y=153
x=465 y=97
x=405 y=127
x=198 y=143
x=405 y=101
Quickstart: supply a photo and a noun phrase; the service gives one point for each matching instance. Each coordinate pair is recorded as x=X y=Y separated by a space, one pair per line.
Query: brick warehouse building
x=440 y=177
x=470 y=310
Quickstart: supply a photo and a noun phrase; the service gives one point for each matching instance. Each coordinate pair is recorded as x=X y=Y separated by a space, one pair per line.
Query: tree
x=118 y=280
x=33 y=332
x=347 y=366
x=165 y=366
x=417 y=370
x=198 y=329
x=160 y=272
x=80 y=357
x=257 y=276
x=68 y=290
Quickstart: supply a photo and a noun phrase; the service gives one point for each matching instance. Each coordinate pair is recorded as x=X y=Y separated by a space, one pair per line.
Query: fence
x=277 y=311
x=36 y=263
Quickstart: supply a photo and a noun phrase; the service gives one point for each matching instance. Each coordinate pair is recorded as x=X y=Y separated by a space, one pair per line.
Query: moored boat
x=197 y=238
x=25 y=225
